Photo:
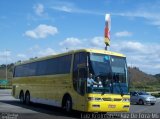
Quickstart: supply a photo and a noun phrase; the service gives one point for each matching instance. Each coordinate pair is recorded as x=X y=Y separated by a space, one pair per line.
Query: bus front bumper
x=108 y=106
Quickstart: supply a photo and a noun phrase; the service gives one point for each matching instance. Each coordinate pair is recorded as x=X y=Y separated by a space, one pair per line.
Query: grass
x=150 y=87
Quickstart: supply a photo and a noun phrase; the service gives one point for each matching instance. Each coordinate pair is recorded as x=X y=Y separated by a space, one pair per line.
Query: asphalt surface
x=11 y=108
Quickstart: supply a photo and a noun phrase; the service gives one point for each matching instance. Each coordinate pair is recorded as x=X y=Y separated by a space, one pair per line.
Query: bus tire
x=67 y=104
x=27 y=98
x=21 y=97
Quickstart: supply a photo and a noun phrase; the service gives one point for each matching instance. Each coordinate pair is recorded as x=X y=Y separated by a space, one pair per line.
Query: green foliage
x=157 y=76
x=5 y=87
x=9 y=73
x=156 y=95
x=142 y=81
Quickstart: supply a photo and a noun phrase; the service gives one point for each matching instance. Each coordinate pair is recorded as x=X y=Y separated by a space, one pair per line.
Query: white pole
x=6 y=64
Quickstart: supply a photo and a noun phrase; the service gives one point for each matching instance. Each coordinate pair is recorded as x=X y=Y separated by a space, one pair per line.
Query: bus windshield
x=111 y=72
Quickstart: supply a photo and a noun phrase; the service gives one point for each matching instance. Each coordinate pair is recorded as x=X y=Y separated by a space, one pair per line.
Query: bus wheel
x=68 y=105
x=27 y=98
x=21 y=97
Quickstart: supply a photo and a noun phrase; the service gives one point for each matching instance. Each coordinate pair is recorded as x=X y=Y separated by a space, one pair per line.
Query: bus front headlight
x=94 y=99
x=125 y=100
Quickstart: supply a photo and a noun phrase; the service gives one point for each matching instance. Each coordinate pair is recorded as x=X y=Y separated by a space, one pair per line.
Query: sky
x=37 y=28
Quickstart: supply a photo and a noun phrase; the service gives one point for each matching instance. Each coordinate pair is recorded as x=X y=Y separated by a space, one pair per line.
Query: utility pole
x=6 y=64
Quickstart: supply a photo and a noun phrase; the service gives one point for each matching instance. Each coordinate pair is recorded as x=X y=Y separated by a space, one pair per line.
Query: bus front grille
x=106 y=99
x=117 y=99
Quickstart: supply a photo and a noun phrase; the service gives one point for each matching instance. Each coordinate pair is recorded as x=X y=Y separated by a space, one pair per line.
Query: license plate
x=111 y=106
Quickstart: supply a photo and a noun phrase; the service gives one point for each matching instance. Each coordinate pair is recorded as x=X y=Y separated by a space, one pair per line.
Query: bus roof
x=71 y=52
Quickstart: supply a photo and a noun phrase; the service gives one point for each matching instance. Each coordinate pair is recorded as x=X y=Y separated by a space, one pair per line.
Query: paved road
x=146 y=108
x=33 y=111
x=39 y=111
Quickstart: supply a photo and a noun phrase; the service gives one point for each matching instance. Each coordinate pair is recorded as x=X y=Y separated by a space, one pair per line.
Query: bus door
x=81 y=88
x=79 y=79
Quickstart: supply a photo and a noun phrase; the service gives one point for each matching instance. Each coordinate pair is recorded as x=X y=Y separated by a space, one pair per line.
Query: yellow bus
x=61 y=80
